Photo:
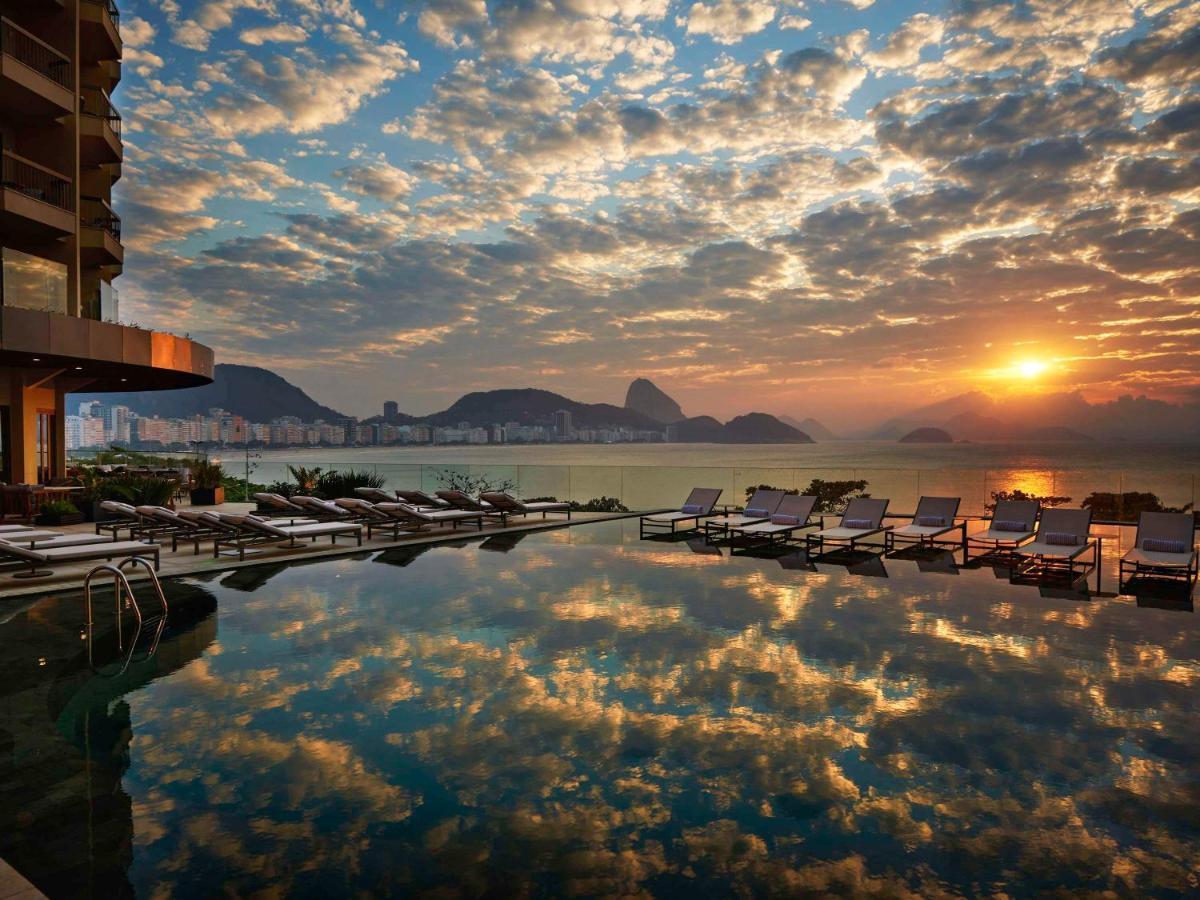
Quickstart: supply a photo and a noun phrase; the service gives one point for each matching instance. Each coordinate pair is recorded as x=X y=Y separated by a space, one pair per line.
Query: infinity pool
x=579 y=712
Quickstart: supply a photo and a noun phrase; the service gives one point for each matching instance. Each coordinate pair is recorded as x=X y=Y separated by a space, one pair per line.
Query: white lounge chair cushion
x=838 y=533
x=26 y=537
x=770 y=527
x=318 y=528
x=73 y=540
x=1158 y=558
x=1002 y=537
x=673 y=516
x=1062 y=551
x=94 y=551
x=739 y=521
x=547 y=506
x=914 y=530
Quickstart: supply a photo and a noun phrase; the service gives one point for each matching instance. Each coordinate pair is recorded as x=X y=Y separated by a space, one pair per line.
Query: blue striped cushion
x=1061 y=538
x=781 y=519
x=1009 y=525
x=756 y=512
x=1159 y=545
x=931 y=521
x=691 y=508
x=857 y=523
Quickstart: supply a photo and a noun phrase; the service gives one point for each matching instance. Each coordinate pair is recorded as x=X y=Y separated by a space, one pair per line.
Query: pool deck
x=14 y=887
x=70 y=576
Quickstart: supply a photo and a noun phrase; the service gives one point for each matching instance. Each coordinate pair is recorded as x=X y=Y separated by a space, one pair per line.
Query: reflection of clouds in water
x=606 y=716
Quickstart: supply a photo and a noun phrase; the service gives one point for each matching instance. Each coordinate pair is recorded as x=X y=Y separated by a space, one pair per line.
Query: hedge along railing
x=646 y=487
x=32 y=51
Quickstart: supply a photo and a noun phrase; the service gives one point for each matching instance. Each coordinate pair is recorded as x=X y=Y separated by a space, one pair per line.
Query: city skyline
x=829 y=206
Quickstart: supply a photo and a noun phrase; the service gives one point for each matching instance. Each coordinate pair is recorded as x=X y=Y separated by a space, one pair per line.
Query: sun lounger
x=422 y=498
x=698 y=506
x=1164 y=547
x=759 y=508
x=863 y=518
x=126 y=518
x=460 y=500
x=933 y=520
x=106 y=550
x=376 y=495
x=1013 y=524
x=1062 y=538
x=9 y=529
x=38 y=540
x=373 y=517
x=793 y=514
x=506 y=505
x=191 y=529
x=247 y=531
x=417 y=518
x=323 y=510
x=273 y=505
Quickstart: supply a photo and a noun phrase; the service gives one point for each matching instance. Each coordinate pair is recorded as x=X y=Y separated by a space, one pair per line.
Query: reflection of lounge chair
x=759 y=508
x=1012 y=525
x=403 y=556
x=704 y=547
x=1165 y=547
x=505 y=505
x=863 y=518
x=699 y=505
x=37 y=540
x=1061 y=539
x=933 y=520
x=503 y=543
x=942 y=562
x=793 y=513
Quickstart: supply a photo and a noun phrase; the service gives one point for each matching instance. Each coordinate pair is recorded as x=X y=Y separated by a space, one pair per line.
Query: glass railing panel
x=544 y=481
x=900 y=487
x=1080 y=484
x=970 y=485
x=1030 y=481
x=595 y=482
x=400 y=476
x=652 y=487
x=1152 y=489
x=746 y=478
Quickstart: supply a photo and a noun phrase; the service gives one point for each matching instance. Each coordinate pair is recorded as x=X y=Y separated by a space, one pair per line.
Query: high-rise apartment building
x=60 y=238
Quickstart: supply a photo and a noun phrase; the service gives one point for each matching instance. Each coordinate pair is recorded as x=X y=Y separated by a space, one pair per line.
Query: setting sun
x=1030 y=368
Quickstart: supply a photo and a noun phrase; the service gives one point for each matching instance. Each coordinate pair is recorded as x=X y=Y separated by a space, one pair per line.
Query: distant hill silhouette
x=645 y=397
x=248 y=391
x=927 y=436
x=1050 y=417
x=810 y=426
x=530 y=406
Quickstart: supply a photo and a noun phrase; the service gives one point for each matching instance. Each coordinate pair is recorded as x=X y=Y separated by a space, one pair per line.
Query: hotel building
x=60 y=239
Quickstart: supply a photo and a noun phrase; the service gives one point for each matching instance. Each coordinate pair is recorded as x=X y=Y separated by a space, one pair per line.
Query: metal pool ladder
x=124 y=596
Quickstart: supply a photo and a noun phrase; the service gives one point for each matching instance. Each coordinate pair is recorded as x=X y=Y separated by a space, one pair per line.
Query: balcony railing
x=38 y=182
x=94 y=102
x=110 y=6
x=32 y=51
x=102 y=305
x=96 y=213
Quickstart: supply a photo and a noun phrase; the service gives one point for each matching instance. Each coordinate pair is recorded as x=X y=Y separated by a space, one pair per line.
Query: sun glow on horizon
x=1030 y=368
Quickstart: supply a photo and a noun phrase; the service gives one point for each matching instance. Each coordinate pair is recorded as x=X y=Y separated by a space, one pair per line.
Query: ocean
x=644 y=475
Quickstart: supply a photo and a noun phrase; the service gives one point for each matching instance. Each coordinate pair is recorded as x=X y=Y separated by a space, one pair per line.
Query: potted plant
x=59 y=512
x=207 y=489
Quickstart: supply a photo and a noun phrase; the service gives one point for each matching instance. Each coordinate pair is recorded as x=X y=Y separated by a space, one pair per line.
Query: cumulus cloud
x=728 y=21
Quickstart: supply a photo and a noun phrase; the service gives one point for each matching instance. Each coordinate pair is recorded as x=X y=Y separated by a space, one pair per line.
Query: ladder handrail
x=121 y=582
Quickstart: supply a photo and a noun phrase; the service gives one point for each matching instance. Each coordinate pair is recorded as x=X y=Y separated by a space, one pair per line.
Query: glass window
x=30 y=282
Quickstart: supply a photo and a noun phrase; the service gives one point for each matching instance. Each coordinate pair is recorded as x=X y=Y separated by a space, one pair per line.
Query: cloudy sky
x=828 y=207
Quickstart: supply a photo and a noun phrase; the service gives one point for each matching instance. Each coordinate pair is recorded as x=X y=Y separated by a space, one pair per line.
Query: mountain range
x=260 y=395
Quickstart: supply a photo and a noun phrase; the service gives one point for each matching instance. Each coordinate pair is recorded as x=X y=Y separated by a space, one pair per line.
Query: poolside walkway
x=185 y=562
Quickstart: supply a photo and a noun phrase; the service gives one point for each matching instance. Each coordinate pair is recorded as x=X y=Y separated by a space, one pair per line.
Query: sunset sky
x=816 y=208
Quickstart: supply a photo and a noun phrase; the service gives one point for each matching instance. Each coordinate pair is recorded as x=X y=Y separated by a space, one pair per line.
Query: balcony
x=36 y=81
x=99 y=37
x=100 y=233
x=99 y=128
x=36 y=202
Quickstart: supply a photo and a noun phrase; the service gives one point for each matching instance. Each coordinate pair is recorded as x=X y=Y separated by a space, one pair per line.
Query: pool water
x=577 y=712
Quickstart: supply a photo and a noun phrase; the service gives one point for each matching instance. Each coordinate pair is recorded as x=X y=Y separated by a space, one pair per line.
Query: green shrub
x=334 y=484
x=1126 y=507
x=136 y=490
x=306 y=479
x=282 y=488
x=207 y=475
x=596 y=504
x=56 y=508
x=473 y=485
x=237 y=491
x=832 y=496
